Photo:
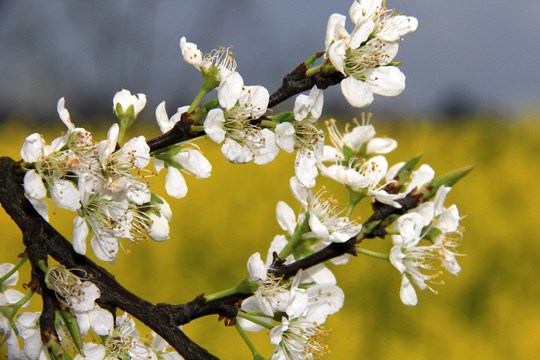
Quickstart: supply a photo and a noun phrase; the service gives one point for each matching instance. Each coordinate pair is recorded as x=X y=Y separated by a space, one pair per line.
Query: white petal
x=80 y=234
x=94 y=351
x=159 y=227
x=336 y=54
x=335 y=29
x=285 y=136
x=358 y=136
x=298 y=191
x=175 y=185
x=65 y=195
x=64 y=114
x=269 y=150
x=101 y=321
x=194 y=162
x=256 y=98
x=230 y=89
x=235 y=152
x=256 y=268
x=397 y=255
x=317 y=227
x=319 y=274
x=277 y=244
x=139 y=193
x=105 y=248
x=361 y=33
x=357 y=92
x=305 y=169
x=397 y=26
x=419 y=177
x=305 y=105
x=138 y=149
x=162 y=118
x=32 y=148
x=386 y=81
x=330 y=153
x=407 y=292
x=381 y=145
x=33 y=185
x=285 y=217
x=213 y=125
x=251 y=304
x=41 y=207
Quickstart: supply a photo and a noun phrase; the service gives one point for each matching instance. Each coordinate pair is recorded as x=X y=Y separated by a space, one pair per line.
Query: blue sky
x=486 y=51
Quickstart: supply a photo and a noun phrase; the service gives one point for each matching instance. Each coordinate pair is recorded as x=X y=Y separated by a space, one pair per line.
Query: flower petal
x=386 y=81
x=357 y=93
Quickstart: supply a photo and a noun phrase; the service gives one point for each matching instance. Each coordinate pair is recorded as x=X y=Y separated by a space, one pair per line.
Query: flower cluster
x=365 y=55
x=98 y=180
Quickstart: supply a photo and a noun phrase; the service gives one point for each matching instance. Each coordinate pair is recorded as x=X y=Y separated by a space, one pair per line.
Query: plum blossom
x=222 y=57
x=123 y=342
x=430 y=220
x=324 y=221
x=242 y=141
x=355 y=164
x=178 y=158
x=80 y=296
x=303 y=134
x=365 y=56
x=298 y=336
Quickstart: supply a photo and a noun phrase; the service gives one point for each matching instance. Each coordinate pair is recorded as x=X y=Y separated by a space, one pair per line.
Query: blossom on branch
x=365 y=55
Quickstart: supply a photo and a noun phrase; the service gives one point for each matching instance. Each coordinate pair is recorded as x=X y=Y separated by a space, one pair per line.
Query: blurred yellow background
x=490 y=311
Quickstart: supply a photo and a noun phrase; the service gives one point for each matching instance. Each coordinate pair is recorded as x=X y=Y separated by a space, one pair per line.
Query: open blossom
x=298 y=336
x=125 y=100
x=221 y=57
x=303 y=134
x=178 y=158
x=111 y=215
x=365 y=55
x=411 y=258
x=354 y=163
x=80 y=295
x=324 y=221
x=243 y=141
x=54 y=165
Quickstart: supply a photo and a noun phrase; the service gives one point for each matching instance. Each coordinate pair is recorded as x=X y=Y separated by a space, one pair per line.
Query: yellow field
x=491 y=311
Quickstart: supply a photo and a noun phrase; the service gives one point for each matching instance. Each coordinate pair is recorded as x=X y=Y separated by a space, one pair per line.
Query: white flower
x=324 y=220
x=409 y=257
x=303 y=134
x=298 y=336
x=124 y=342
x=243 y=141
x=125 y=100
x=221 y=57
x=365 y=55
x=178 y=158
